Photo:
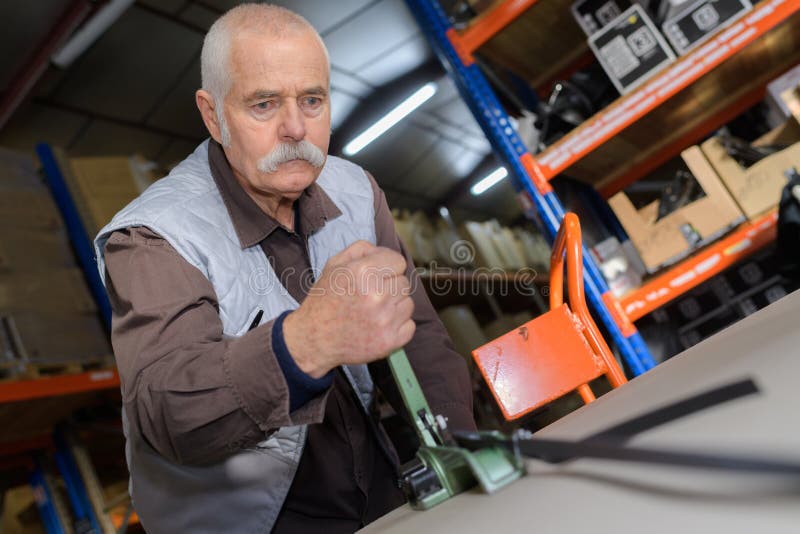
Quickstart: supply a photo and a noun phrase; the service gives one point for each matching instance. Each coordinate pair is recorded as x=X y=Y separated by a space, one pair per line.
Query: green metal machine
x=441 y=468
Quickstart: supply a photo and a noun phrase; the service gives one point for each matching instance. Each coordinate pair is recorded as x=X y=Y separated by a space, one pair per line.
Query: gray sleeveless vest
x=244 y=493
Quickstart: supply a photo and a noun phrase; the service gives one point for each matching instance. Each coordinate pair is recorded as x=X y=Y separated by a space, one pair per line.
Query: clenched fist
x=359 y=310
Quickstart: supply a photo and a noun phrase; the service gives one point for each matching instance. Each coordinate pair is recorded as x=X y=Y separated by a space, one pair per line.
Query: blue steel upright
x=480 y=98
x=78 y=236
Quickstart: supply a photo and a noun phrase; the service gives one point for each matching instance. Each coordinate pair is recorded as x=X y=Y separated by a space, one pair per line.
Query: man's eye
x=263 y=106
x=313 y=101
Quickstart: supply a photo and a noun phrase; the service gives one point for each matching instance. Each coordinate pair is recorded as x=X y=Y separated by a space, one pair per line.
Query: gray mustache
x=286 y=152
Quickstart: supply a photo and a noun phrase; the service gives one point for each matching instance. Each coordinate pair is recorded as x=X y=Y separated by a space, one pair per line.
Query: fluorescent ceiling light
x=90 y=32
x=487 y=183
x=422 y=95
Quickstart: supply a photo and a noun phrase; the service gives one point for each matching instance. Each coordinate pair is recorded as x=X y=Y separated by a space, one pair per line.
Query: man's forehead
x=254 y=57
x=248 y=46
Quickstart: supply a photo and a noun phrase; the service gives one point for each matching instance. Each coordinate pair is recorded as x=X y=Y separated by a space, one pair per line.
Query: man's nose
x=293 y=126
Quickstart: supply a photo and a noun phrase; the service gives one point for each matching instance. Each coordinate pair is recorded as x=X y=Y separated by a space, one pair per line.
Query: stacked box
x=664 y=240
x=102 y=186
x=47 y=315
x=757 y=189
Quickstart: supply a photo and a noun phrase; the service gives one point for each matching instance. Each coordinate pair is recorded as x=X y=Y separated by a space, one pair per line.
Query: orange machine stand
x=556 y=353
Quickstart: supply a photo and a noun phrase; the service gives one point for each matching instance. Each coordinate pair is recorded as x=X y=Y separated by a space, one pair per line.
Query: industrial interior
x=569 y=232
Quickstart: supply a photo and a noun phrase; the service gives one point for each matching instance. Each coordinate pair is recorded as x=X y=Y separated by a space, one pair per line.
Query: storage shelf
x=510 y=35
x=710 y=261
x=514 y=292
x=682 y=99
x=22 y=390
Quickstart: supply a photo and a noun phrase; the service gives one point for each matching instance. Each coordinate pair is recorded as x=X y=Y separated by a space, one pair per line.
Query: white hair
x=266 y=19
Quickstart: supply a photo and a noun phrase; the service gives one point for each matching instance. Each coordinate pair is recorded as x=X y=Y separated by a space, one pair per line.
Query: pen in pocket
x=256 y=320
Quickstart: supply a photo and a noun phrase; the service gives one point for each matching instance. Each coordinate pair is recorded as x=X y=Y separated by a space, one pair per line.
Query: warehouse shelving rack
x=15 y=394
x=532 y=174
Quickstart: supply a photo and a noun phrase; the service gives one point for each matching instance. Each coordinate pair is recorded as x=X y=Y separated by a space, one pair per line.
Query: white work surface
x=607 y=496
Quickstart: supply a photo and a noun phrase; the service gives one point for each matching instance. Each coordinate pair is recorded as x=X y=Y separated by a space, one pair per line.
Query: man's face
x=279 y=94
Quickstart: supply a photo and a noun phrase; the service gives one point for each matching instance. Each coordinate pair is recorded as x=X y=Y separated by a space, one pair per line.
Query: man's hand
x=358 y=311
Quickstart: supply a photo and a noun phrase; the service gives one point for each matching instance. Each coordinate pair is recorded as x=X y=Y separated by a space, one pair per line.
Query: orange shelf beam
x=630 y=108
x=710 y=261
x=51 y=386
x=487 y=26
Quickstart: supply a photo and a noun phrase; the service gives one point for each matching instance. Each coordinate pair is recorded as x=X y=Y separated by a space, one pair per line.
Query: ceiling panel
x=446 y=92
x=325 y=15
x=129 y=69
x=34 y=124
x=432 y=173
x=394 y=152
x=167 y=6
x=500 y=201
x=178 y=112
x=199 y=16
x=466 y=162
x=454 y=131
x=457 y=112
x=103 y=138
x=49 y=82
x=403 y=59
x=341 y=106
x=380 y=28
x=27 y=24
x=347 y=83
x=222 y=5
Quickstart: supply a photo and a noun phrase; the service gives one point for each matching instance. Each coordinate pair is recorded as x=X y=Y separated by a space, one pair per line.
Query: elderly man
x=256 y=292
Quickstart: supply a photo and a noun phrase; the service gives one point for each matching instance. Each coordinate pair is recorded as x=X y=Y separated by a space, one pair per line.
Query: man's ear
x=206 y=105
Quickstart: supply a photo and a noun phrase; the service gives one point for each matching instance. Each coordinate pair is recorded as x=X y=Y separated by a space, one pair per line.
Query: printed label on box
x=696 y=23
x=631 y=49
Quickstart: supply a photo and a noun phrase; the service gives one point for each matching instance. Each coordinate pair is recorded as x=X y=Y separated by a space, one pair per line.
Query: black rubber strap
x=555 y=451
x=622 y=432
x=609 y=444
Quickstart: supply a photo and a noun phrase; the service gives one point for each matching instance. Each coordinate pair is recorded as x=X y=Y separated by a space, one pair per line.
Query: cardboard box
x=20 y=514
x=791 y=97
x=57 y=290
x=28 y=207
x=25 y=200
x=778 y=99
x=43 y=337
x=665 y=241
x=102 y=186
x=757 y=189
x=23 y=249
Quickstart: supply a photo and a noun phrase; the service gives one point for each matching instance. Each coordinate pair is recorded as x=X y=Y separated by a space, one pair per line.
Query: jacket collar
x=252 y=225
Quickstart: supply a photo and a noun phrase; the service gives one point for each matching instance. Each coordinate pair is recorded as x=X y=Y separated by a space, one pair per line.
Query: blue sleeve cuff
x=302 y=388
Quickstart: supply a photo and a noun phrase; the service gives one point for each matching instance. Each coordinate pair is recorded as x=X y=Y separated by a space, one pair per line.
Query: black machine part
x=745 y=153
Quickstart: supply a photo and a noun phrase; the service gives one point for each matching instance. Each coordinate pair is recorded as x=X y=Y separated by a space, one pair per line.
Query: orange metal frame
x=486 y=26
x=20 y=390
x=629 y=109
x=713 y=259
x=556 y=353
x=569 y=240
